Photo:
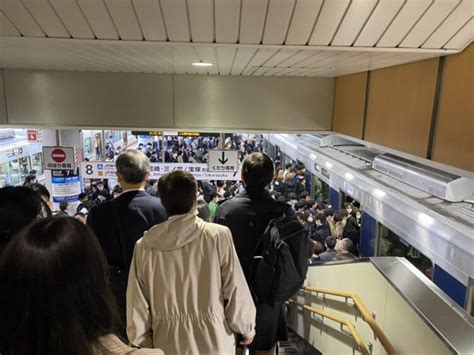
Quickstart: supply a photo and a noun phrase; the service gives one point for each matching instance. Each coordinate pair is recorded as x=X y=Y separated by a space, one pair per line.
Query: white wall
x=161 y=101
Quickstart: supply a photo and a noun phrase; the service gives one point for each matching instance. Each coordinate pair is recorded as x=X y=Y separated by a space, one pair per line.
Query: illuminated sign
x=13 y=152
x=197 y=134
x=147 y=133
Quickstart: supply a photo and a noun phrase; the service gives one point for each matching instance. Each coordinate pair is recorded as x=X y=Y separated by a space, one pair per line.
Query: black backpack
x=279 y=272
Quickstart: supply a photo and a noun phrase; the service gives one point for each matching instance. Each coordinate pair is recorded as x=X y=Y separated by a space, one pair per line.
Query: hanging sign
x=106 y=170
x=223 y=160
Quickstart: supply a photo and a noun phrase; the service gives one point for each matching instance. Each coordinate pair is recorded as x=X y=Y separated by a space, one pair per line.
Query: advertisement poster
x=66 y=187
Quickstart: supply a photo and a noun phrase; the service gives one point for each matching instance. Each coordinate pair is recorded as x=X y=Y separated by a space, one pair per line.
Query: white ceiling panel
x=208 y=55
x=262 y=56
x=252 y=20
x=280 y=56
x=123 y=15
x=273 y=71
x=278 y=19
x=242 y=58
x=201 y=18
x=227 y=21
x=318 y=56
x=463 y=37
x=150 y=19
x=410 y=13
x=183 y=57
x=47 y=18
x=225 y=57
x=303 y=21
x=429 y=22
x=6 y=27
x=297 y=57
x=99 y=18
x=354 y=20
x=382 y=16
x=450 y=26
x=72 y=18
x=260 y=71
x=176 y=20
x=328 y=21
x=18 y=15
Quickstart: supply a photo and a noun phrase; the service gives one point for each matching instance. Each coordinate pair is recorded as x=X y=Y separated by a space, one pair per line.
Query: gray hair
x=133 y=165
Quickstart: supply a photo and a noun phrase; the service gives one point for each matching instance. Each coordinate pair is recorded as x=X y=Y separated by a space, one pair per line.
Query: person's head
x=43 y=193
x=345 y=246
x=30 y=180
x=318 y=248
x=213 y=197
x=257 y=170
x=288 y=166
x=103 y=195
x=100 y=185
x=83 y=197
x=305 y=195
x=351 y=225
x=292 y=198
x=308 y=217
x=63 y=206
x=19 y=206
x=80 y=217
x=330 y=242
x=152 y=182
x=320 y=219
x=338 y=216
x=329 y=212
x=300 y=205
x=132 y=169
x=280 y=173
x=63 y=303
x=349 y=208
x=178 y=191
x=33 y=172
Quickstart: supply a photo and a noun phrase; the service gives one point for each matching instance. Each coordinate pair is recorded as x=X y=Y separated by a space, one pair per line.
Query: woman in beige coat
x=186 y=292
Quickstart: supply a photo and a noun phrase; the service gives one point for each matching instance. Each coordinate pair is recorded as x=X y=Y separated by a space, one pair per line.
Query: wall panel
x=271 y=103
x=3 y=109
x=454 y=142
x=349 y=104
x=400 y=106
x=90 y=99
x=56 y=98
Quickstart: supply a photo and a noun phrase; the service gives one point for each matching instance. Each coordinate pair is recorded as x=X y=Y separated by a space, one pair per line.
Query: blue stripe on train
x=452 y=287
x=368 y=231
x=334 y=199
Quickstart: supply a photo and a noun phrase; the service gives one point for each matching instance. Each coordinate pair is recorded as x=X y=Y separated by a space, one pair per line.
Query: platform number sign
x=59 y=158
x=223 y=161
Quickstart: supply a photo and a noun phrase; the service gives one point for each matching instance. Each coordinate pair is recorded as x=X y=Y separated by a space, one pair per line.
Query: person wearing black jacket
x=120 y=222
x=247 y=215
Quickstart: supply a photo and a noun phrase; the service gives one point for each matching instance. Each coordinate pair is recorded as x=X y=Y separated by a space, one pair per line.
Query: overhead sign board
x=147 y=133
x=223 y=160
x=106 y=170
x=59 y=158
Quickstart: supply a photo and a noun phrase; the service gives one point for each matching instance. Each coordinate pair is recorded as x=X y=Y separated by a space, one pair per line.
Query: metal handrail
x=342 y=321
x=363 y=310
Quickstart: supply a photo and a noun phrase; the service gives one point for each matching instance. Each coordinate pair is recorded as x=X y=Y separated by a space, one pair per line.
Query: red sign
x=58 y=155
x=32 y=135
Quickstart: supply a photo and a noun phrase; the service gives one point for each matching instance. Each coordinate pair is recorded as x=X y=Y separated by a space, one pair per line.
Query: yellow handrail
x=337 y=319
x=363 y=310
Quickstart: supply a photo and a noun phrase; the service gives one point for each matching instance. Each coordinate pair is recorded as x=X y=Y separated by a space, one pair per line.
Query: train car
x=410 y=207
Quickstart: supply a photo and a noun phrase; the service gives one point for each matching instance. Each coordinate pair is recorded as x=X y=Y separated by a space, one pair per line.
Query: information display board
x=106 y=170
x=66 y=187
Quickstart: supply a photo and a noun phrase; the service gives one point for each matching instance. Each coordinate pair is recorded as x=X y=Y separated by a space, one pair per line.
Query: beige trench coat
x=186 y=292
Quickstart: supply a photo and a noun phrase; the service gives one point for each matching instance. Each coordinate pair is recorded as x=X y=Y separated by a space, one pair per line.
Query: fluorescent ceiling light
x=425 y=219
x=203 y=64
x=328 y=165
x=379 y=193
x=349 y=176
x=312 y=156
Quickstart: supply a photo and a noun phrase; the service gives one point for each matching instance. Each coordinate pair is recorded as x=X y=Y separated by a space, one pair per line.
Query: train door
x=390 y=244
x=352 y=220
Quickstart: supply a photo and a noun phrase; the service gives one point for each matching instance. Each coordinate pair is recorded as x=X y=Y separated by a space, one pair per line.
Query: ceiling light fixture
x=203 y=64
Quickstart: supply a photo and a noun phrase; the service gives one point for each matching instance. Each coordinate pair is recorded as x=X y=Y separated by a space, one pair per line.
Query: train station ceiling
x=239 y=37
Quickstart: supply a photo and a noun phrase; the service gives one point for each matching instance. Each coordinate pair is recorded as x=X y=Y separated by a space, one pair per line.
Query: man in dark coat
x=120 y=222
x=247 y=215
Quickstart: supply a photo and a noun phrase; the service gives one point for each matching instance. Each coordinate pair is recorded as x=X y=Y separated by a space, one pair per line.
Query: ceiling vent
x=436 y=182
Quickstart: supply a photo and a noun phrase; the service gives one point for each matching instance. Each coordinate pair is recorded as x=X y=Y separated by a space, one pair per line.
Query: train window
x=37 y=163
x=390 y=244
x=4 y=176
x=320 y=190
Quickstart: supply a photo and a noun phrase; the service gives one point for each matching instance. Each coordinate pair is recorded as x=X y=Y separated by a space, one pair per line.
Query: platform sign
x=223 y=161
x=106 y=170
x=59 y=158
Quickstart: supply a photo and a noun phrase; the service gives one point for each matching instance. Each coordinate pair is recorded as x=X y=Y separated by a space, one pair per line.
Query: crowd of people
x=159 y=265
